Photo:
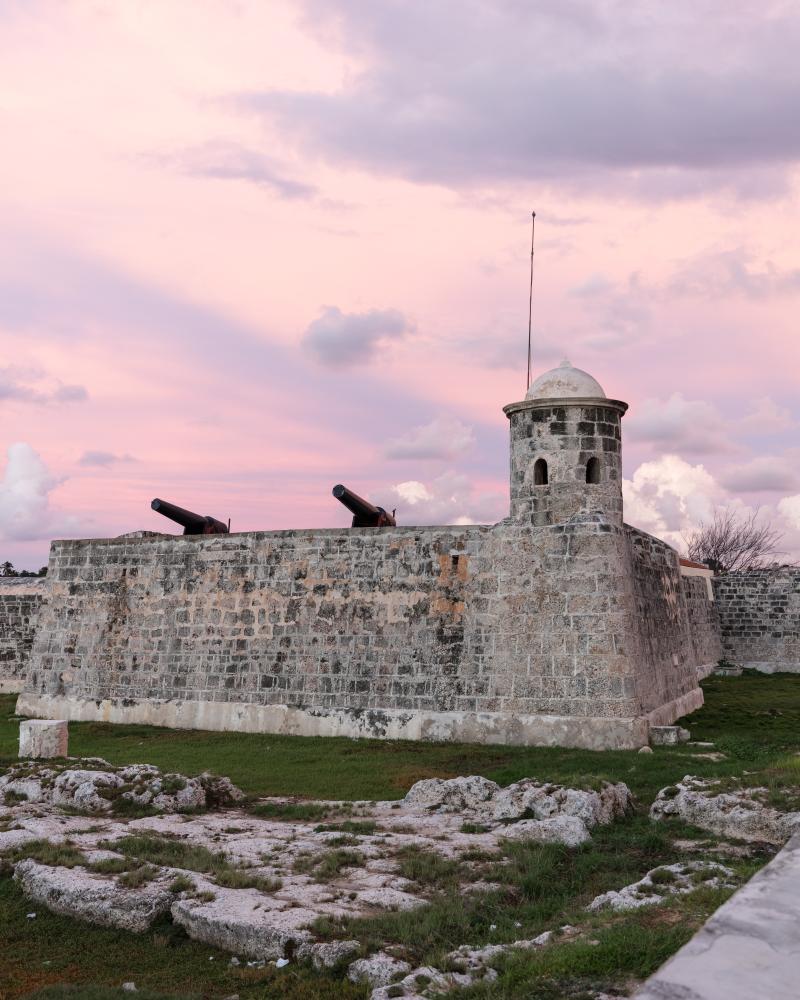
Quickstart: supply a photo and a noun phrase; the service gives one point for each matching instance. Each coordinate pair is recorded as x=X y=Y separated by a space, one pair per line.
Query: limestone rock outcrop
x=739 y=813
x=75 y=892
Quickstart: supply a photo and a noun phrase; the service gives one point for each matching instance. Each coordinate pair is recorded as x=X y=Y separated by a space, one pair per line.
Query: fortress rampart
x=557 y=626
x=20 y=599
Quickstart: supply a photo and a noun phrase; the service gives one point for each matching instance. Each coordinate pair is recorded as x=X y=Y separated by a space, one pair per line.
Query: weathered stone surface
x=665 y=736
x=760 y=618
x=245 y=922
x=738 y=814
x=568 y=830
x=664 y=881
x=452 y=795
x=377 y=970
x=94 y=784
x=74 y=892
x=328 y=954
x=20 y=600
x=80 y=789
x=748 y=949
x=43 y=738
x=542 y=801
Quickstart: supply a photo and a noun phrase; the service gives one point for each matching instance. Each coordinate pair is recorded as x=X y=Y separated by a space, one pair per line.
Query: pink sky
x=252 y=249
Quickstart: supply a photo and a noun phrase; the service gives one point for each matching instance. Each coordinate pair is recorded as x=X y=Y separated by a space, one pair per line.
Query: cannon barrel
x=365 y=514
x=192 y=524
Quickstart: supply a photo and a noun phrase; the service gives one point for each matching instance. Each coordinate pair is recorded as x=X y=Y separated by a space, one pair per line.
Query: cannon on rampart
x=365 y=514
x=192 y=524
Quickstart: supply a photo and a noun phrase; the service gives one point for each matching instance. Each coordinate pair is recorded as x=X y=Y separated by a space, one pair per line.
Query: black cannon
x=192 y=524
x=365 y=514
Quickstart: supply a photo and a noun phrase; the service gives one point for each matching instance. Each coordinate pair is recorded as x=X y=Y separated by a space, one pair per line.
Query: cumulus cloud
x=33 y=386
x=448 y=499
x=680 y=424
x=233 y=162
x=442 y=438
x=24 y=495
x=504 y=97
x=669 y=497
x=343 y=339
x=103 y=458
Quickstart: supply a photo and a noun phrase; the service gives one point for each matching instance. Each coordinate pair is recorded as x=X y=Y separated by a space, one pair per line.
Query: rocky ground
x=123 y=847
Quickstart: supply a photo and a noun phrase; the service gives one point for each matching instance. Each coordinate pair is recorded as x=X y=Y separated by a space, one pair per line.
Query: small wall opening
x=540 y=472
x=593 y=470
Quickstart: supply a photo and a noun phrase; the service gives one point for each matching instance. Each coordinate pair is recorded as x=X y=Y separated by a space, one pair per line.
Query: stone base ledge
x=748 y=950
x=589 y=733
x=666 y=714
x=771 y=666
x=11 y=685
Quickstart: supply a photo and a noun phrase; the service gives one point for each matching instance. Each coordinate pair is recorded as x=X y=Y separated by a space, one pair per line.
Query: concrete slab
x=750 y=948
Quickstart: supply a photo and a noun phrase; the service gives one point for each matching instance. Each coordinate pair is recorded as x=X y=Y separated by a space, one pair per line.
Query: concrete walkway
x=749 y=949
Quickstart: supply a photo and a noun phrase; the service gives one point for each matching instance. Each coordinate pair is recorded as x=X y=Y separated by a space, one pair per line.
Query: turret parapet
x=566 y=449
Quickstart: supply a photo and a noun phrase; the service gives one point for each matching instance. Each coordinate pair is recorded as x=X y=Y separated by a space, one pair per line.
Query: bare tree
x=733 y=542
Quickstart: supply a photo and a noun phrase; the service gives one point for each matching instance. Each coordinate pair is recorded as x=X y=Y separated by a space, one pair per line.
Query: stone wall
x=702 y=616
x=759 y=616
x=666 y=653
x=20 y=598
x=507 y=634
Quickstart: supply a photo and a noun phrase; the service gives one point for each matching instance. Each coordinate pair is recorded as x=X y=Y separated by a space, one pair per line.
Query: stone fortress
x=560 y=625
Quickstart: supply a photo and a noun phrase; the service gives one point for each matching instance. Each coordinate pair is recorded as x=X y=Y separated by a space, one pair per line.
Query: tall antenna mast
x=530 y=304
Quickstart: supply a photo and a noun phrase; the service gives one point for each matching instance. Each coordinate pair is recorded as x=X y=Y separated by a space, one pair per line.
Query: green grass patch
x=173 y=853
x=328 y=865
x=46 y=853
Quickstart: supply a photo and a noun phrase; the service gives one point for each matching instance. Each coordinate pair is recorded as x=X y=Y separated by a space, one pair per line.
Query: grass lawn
x=753 y=719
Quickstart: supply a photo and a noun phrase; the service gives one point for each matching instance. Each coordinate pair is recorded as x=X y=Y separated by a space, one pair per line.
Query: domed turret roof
x=564 y=382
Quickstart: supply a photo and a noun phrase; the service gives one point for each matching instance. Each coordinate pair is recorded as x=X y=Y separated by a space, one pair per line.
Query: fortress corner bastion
x=560 y=625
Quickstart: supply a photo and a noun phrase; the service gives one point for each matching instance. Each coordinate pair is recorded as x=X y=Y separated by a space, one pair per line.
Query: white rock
x=80 y=789
x=281 y=963
x=74 y=892
x=530 y=798
x=129 y=987
x=246 y=922
x=731 y=814
x=645 y=749
x=649 y=892
x=377 y=970
x=452 y=795
x=329 y=954
x=43 y=738
x=568 y=830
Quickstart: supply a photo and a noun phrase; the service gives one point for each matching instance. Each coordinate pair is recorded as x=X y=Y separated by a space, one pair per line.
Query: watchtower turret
x=566 y=449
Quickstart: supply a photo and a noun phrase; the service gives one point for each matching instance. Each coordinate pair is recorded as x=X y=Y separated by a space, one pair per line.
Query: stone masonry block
x=42 y=738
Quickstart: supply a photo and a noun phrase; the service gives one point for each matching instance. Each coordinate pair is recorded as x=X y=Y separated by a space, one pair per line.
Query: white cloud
x=669 y=497
x=344 y=339
x=25 y=494
x=789 y=507
x=449 y=499
x=442 y=438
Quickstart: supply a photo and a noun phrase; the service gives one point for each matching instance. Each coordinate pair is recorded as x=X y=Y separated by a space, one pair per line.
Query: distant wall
x=759 y=616
x=20 y=599
x=506 y=634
